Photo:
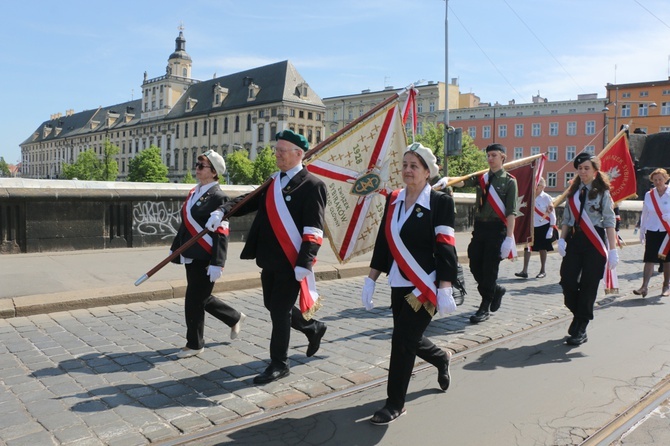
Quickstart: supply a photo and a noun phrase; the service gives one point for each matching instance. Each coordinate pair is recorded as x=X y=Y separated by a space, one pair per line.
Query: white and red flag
x=410 y=106
x=617 y=163
x=360 y=167
x=527 y=176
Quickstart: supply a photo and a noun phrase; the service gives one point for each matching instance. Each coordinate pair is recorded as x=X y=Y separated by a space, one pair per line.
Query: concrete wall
x=64 y=215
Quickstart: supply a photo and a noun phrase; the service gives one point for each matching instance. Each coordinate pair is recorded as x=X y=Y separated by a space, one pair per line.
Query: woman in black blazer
x=415 y=247
x=205 y=259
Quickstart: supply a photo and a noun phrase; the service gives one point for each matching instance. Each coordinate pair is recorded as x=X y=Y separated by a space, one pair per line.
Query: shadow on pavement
x=549 y=352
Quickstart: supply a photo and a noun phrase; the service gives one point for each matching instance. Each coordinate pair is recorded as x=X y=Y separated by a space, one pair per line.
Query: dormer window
x=190 y=104
x=253 y=91
x=302 y=90
x=220 y=94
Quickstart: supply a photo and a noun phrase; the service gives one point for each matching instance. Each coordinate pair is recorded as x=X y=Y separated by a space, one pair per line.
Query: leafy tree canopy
x=4 y=167
x=147 y=167
x=264 y=165
x=188 y=179
x=89 y=167
x=240 y=167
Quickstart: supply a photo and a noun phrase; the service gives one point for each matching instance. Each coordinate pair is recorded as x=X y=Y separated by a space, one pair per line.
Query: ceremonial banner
x=410 y=106
x=523 y=223
x=618 y=165
x=360 y=167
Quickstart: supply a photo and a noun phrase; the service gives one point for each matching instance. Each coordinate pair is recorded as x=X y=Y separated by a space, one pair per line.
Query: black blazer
x=418 y=234
x=211 y=200
x=306 y=205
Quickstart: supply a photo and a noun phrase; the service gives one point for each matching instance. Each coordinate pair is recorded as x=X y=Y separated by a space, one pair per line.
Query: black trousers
x=582 y=270
x=198 y=300
x=484 y=255
x=407 y=343
x=280 y=292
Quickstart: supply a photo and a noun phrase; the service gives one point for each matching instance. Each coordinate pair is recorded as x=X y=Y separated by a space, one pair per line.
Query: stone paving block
x=129 y=439
x=311 y=388
x=74 y=434
x=32 y=439
x=21 y=430
x=159 y=432
x=191 y=422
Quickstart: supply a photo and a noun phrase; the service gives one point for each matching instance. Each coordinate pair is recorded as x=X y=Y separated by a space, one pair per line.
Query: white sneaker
x=235 y=329
x=188 y=352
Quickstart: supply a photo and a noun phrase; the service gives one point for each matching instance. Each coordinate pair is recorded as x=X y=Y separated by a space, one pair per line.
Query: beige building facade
x=183 y=117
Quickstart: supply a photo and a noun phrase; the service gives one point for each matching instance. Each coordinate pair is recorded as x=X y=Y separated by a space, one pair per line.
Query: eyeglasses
x=202 y=166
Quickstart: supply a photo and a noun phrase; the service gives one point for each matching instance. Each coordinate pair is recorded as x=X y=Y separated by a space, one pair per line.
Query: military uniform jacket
x=211 y=200
x=418 y=234
x=305 y=198
x=506 y=188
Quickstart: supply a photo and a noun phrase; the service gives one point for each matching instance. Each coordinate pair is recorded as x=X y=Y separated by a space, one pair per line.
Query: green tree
x=188 y=179
x=86 y=168
x=264 y=165
x=109 y=168
x=240 y=167
x=147 y=167
x=4 y=168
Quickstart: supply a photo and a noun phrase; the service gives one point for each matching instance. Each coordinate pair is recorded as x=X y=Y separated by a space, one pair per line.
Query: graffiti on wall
x=157 y=218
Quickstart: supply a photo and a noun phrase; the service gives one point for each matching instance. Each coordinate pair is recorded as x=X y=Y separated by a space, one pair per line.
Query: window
x=273 y=111
x=335 y=115
x=643 y=110
x=309 y=135
x=419 y=128
x=569 y=176
x=215 y=125
x=518 y=130
x=273 y=129
x=553 y=153
x=431 y=106
x=534 y=151
x=486 y=131
x=186 y=130
x=665 y=108
x=625 y=110
x=472 y=131
x=225 y=124
x=570 y=153
x=625 y=95
x=261 y=113
x=351 y=115
x=591 y=150
x=248 y=121
x=502 y=131
x=204 y=127
x=318 y=136
x=195 y=128
x=310 y=115
x=237 y=124
x=292 y=113
x=301 y=114
x=551 y=179
x=260 y=133
x=572 y=128
x=664 y=129
x=518 y=153
x=644 y=94
x=360 y=111
x=590 y=127
x=177 y=132
x=536 y=129
x=666 y=92
x=318 y=116
x=419 y=106
x=553 y=129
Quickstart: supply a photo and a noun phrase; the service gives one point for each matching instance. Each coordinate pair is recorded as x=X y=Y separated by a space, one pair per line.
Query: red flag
x=618 y=165
x=410 y=105
x=526 y=180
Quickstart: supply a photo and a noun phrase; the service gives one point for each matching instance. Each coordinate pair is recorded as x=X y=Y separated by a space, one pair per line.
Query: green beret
x=295 y=138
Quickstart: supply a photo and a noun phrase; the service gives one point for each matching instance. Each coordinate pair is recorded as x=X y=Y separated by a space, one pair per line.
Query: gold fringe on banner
x=611 y=290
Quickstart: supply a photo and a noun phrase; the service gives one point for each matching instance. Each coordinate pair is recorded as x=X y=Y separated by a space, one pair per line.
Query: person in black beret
x=587 y=243
x=298 y=210
x=493 y=234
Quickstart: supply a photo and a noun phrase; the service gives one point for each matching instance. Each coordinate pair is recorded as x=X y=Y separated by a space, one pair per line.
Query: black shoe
x=497 y=298
x=444 y=376
x=572 y=330
x=386 y=415
x=577 y=339
x=479 y=316
x=271 y=373
x=315 y=341
x=522 y=275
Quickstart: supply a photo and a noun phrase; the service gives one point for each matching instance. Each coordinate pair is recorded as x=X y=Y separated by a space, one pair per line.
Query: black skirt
x=653 y=242
x=540 y=240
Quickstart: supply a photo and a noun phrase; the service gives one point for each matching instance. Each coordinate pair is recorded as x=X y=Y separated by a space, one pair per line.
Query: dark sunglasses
x=202 y=166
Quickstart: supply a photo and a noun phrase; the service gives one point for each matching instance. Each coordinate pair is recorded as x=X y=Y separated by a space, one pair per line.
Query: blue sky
x=80 y=55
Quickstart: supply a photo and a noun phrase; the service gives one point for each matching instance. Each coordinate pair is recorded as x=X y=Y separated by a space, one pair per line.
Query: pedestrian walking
x=415 y=247
x=587 y=243
x=204 y=260
x=284 y=238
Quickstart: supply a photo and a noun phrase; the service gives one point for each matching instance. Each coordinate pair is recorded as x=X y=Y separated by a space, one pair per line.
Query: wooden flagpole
x=507 y=166
x=252 y=194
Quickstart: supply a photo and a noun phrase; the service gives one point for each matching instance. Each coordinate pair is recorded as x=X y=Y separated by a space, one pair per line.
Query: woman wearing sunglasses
x=205 y=259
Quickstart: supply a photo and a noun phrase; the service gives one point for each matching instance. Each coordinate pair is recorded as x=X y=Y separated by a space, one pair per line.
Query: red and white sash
x=498 y=206
x=425 y=290
x=290 y=239
x=665 y=246
x=194 y=228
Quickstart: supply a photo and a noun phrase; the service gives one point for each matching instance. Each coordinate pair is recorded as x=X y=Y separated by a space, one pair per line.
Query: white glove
x=506 y=247
x=441 y=183
x=561 y=247
x=214 y=272
x=666 y=217
x=445 y=301
x=612 y=258
x=300 y=273
x=214 y=220
x=550 y=233
x=366 y=295
x=642 y=237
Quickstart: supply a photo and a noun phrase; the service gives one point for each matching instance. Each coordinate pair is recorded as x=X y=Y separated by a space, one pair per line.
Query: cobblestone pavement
x=109 y=375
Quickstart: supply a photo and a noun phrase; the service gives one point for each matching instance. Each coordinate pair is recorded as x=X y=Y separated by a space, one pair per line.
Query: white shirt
x=649 y=220
x=395 y=278
x=200 y=190
x=289 y=175
x=542 y=202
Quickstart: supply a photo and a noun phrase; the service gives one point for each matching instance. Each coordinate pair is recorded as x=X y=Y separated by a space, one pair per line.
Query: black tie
x=281 y=179
x=582 y=200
